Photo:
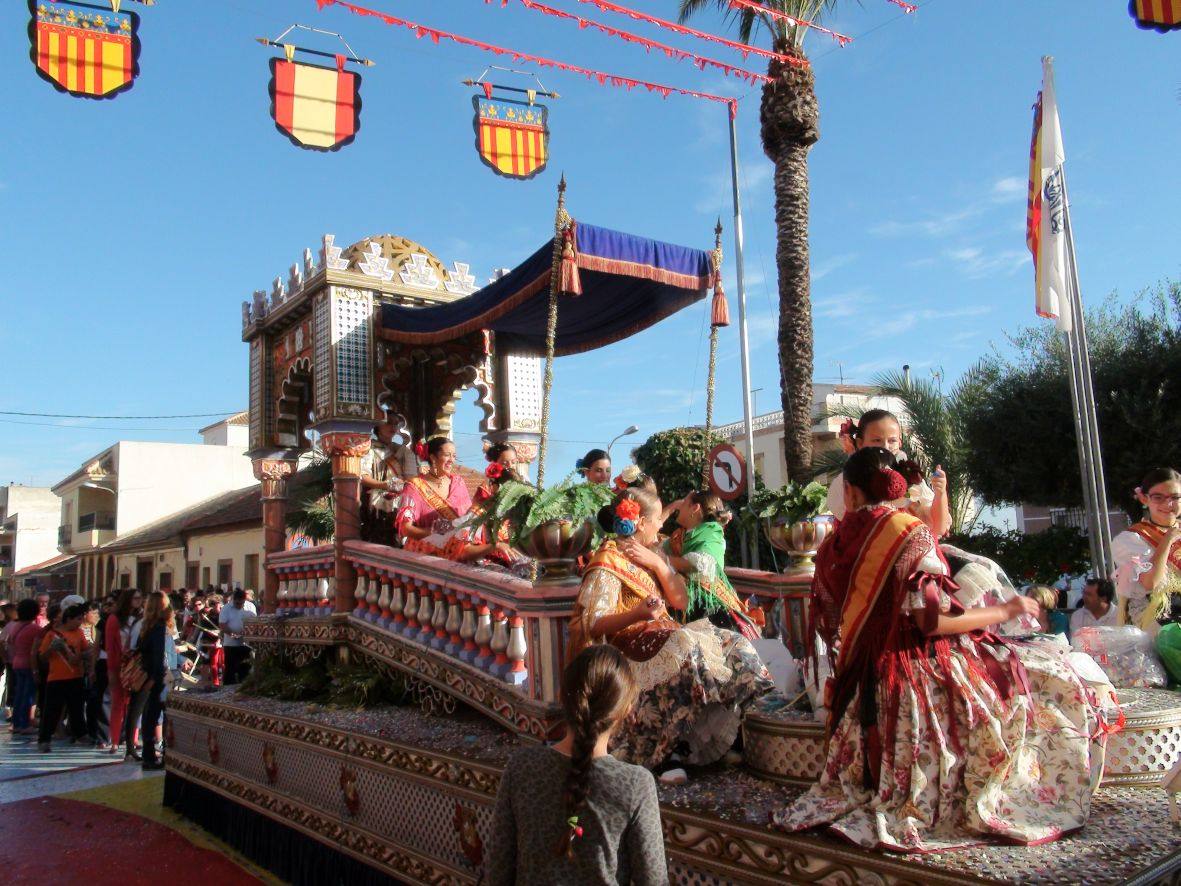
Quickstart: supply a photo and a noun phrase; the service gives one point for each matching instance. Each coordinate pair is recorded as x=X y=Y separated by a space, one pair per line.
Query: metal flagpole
x=1089 y=416
x=743 y=343
x=1077 y=399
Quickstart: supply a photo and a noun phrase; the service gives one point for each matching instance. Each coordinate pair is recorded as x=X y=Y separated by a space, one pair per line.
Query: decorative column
x=346 y=449
x=273 y=474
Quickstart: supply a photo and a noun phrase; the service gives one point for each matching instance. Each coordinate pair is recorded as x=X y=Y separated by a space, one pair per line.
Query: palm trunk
x=790 y=126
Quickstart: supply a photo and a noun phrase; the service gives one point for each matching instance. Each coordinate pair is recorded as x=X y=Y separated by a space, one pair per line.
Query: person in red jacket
x=115 y=641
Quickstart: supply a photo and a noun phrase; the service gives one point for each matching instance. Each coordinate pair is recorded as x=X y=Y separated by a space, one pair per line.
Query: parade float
x=383 y=330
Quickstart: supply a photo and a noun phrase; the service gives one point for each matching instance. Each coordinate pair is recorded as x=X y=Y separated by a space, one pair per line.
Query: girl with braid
x=571 y=813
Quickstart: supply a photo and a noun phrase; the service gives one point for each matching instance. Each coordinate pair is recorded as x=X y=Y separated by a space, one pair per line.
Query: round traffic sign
x=727 y=472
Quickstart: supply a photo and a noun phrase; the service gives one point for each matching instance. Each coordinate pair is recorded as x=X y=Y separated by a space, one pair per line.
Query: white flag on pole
x=1045 y=228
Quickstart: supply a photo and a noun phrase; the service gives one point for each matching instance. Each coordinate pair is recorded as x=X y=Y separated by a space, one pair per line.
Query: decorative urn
x=556 y=545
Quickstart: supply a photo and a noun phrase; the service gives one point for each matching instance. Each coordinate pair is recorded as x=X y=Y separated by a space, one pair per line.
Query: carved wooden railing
x=783 y=597
x=307 y=580
x=483 y=637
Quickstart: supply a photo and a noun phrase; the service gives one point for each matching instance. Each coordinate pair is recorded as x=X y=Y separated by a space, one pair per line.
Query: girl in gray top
x=572 y=814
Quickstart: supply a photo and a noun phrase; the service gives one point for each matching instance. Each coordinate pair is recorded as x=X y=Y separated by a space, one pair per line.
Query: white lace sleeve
x=599 y=596
x=926 y=494
x=703 y=564
x=1133 y=557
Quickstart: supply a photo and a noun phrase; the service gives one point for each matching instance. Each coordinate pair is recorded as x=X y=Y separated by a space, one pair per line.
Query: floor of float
x=1129 y=830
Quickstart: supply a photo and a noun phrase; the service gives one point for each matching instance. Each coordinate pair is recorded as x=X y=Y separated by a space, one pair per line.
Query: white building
x=131 y=484
x=28 y=530
x=768 y=428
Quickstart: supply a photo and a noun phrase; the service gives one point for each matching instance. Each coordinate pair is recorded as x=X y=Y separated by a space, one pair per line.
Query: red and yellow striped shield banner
x=511 y=137
x=1156 y=15
x=317 y=108
x=85 y=50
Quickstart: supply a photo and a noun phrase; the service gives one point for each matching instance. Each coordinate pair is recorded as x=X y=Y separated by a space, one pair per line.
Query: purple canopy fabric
x=628 y=283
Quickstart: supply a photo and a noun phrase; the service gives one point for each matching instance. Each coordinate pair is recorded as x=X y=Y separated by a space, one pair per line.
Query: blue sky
x=134 y=228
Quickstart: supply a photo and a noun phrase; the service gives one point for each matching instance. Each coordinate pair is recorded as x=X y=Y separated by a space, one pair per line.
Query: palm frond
x=749 y=21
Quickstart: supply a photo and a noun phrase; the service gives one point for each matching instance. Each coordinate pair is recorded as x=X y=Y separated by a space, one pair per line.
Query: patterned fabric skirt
x=692 y=693
x=1024 y=772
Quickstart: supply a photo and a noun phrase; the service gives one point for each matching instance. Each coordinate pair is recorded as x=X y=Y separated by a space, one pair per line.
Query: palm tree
x=790 y=118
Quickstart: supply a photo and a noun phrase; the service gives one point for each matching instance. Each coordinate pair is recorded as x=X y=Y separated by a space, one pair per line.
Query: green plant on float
x=311 y=510
x=525 y=507
x=360 y=686
x=276 y=677
x=790 y=503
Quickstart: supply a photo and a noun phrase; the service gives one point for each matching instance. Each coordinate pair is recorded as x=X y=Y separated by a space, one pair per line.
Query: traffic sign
x=727 y=472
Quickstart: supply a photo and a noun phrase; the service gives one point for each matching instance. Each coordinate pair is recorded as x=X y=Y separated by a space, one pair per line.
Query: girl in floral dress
x=694 y=680
x=941 y=734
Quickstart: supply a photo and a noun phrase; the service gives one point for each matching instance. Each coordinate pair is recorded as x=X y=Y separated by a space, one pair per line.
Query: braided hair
x=598 y=691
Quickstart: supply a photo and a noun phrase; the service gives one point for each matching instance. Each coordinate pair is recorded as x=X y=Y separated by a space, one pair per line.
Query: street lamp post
x=632 y=429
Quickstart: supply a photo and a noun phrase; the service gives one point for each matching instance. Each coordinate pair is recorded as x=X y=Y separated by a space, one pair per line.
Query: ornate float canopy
x=383 y=328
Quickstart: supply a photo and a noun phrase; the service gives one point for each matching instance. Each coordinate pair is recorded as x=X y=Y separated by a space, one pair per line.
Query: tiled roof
x=47 y=564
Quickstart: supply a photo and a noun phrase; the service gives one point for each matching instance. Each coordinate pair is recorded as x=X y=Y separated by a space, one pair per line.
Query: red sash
x=433 y=499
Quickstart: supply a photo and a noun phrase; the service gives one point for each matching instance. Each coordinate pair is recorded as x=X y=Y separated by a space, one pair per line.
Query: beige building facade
x=28 y=531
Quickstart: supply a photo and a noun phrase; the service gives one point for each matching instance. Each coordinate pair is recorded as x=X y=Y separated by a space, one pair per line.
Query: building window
x=251 y=576
x=166 y=581
x=205 y=582
x=125 y=580
x=192 y=575
x=225 y=574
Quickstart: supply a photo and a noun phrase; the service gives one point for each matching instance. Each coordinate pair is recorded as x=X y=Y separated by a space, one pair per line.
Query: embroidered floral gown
x=694 y=680
x=940 y=742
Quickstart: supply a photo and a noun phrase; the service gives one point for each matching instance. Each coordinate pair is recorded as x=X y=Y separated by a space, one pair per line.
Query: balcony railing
x=65 y=534
x=96 y=520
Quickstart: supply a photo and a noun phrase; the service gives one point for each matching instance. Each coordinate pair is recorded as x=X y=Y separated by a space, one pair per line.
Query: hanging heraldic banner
x=317 y=108
x=512 y=137
x=86 y=50
x=1156 y=15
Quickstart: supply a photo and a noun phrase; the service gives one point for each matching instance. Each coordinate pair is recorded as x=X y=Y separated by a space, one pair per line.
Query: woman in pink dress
x=433 y=502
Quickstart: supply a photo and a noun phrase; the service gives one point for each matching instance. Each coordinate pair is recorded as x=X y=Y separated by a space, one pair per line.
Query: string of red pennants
x=685 y=30
x=603 y=78
x=701 y=62
x=841 y=39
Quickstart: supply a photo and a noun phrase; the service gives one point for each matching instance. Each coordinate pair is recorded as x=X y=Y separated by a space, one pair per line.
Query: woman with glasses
x=1146 y=555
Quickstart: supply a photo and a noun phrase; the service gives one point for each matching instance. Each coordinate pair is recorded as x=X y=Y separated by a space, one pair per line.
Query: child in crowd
x=571 y=813
x=879 y=427
x=1051 y=620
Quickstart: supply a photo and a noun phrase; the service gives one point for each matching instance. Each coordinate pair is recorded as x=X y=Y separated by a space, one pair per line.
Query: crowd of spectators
x=98 y=673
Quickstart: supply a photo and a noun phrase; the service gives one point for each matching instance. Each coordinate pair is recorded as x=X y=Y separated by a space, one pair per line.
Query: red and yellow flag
x=317 y=108
x=512 y=138
x=1156 y=15
x=84 y=50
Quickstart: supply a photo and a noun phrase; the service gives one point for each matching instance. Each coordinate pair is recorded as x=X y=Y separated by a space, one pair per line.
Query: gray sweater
x=621 y=842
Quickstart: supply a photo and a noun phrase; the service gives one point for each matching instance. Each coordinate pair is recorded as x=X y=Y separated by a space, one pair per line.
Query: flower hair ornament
x=627 y=477
x=420 y=450
x=575 y=827
x=888 y=485
x=580 y=464
x=627 y=512
x=494 y=471
x=848 y=428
